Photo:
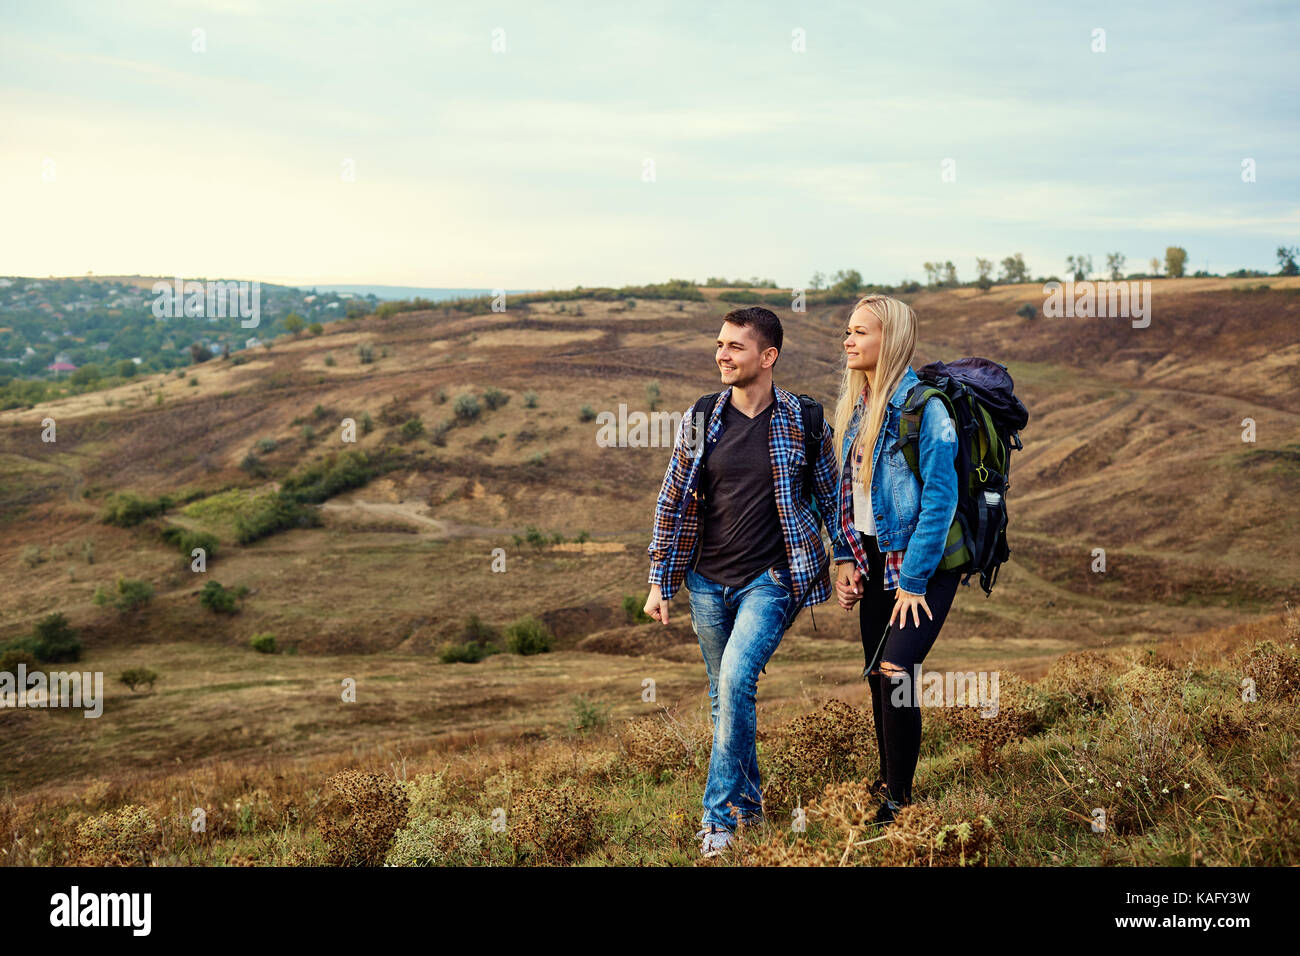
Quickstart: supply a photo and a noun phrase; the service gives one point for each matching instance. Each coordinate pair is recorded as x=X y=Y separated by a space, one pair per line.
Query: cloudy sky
x=389 y=142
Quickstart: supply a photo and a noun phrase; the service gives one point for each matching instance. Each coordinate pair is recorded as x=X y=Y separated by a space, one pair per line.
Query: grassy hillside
x=1134 y=446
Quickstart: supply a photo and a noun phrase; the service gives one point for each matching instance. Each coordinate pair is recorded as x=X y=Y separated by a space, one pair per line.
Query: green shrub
x=263 y=643
x=1027 y=311
x=185 y=541
x=439 y=434
x=413 y=428
x=31 y=556
x=365 y=353
x=528 y=636
x=494 y=398
x=586 y=414
x=588 y=715
x=466 y=407
x=266 y=445
x=253 y=465
x=477 y=630
x=274 y=512
x=53 y=640
x=329 y=359
x=635 y=610
x=331 y=476
x=134 y=677
x=220 y=600
x=10 y=659
x=471 y=652
x=126 y=510
x=130 y=594
x=530 y=399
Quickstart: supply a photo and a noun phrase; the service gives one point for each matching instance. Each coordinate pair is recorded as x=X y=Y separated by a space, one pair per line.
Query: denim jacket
x=911 y=516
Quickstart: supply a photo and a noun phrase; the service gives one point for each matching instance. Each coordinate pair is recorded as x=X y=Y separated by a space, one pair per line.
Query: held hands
x=905 y=601
x=848 y=584
x=655 y=605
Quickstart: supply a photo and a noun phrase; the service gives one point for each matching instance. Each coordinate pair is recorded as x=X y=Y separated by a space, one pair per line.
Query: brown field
x=1134 y=445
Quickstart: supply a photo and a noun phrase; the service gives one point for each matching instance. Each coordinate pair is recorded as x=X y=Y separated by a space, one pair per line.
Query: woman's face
x=862 y=340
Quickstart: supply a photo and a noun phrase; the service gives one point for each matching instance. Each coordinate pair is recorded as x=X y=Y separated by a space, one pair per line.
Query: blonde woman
x=896 y=527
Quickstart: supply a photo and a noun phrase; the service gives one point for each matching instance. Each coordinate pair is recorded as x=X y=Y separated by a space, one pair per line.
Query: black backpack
x=980 y=397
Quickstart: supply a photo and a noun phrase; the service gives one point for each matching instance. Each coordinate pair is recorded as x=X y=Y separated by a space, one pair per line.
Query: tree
x=1080 y=266
x=818 y=281
x=1014 y=268
x=1175 y=258
x=294 y=323
x=949 y=273
x=847 y=281
x=984 y=268
x=1286 y=257
x=1115 y=264
x=199 y=353
x=1155 y=266
x=931 y=273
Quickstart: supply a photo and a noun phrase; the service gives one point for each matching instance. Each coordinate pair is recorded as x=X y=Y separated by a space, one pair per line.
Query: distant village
x=100 y=327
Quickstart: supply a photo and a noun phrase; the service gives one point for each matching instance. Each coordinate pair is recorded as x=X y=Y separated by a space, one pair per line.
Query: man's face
x=741 y=357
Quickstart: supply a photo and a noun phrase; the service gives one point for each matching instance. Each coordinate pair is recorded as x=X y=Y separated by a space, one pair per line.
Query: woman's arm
x=937 y=461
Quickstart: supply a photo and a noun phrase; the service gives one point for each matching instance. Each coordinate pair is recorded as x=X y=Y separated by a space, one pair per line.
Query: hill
x=1134 y=446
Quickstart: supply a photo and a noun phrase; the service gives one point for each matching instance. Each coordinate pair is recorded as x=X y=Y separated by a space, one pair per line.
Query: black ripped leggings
x=898 y=726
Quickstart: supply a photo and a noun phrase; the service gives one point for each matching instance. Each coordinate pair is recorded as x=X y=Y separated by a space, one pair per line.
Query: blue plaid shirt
x=675 y=542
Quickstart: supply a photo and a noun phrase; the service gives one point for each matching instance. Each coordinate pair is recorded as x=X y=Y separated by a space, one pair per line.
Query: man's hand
x=848 y=584
x=905 y=601
x=655 y=605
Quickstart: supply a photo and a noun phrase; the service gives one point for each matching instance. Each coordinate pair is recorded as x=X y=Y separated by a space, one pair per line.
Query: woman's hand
x=905 y=601
x=848 y=584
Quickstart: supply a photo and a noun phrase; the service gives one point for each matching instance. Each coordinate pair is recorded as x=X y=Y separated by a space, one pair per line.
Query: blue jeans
x=739 y=629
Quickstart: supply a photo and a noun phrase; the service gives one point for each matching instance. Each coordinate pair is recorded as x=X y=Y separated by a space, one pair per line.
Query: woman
x=896 y=527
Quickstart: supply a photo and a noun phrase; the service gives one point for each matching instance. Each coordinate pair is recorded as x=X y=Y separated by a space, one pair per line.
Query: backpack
x=813 y=424
x=979 y=394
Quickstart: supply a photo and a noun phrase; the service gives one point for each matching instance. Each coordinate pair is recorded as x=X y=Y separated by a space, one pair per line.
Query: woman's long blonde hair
x=897 y=344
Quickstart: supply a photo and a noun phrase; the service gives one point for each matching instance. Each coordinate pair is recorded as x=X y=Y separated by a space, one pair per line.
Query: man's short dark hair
x=764 y=322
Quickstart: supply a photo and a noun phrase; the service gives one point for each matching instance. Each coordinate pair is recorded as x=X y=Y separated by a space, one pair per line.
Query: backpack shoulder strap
x=814 y=424
x=909 y=423
x=705 y=404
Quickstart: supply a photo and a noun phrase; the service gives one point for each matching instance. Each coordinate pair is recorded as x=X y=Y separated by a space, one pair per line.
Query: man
x=744 y=539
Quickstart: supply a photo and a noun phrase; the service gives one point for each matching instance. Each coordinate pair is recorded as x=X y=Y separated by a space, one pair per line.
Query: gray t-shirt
x=740 y=529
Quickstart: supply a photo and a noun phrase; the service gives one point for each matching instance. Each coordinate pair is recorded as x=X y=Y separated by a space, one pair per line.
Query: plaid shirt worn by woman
x=675 y=543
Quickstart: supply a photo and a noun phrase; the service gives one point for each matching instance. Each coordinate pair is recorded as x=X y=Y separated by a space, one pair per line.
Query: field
x=1134 y=446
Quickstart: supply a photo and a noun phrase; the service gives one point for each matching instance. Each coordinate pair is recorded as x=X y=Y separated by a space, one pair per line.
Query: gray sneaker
x=716 y=840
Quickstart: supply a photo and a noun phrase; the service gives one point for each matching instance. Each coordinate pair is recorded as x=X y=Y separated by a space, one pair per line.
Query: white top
x=864 y=519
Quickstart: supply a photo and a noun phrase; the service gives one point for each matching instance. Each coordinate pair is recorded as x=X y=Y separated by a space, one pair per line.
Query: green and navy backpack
x=980 y=397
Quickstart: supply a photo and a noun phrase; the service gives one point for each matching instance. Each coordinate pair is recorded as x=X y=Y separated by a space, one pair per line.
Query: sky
x=524 y=145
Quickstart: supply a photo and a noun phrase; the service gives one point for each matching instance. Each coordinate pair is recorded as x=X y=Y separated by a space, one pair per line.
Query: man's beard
x=743 y=382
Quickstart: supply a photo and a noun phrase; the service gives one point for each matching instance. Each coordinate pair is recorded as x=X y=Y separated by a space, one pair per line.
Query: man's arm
x=669 y=502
